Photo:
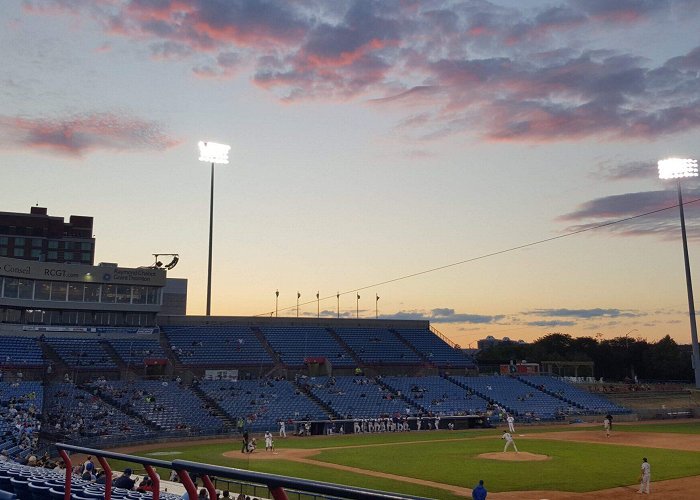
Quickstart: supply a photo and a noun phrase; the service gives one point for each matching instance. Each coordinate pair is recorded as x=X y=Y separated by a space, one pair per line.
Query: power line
x=492 y=254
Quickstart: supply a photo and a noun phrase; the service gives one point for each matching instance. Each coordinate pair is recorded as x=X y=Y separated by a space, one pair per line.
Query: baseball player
x=606 y=426
x=645 y=477
x=269 y=444
x=511 y=422
x=509 y=441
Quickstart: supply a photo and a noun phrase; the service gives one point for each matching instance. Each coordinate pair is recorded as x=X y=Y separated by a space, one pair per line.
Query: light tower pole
x=211 y=152
x=678 y=168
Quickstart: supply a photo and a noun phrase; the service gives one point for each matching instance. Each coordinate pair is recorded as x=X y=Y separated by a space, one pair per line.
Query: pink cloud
x=508 y=74
x=81 y=134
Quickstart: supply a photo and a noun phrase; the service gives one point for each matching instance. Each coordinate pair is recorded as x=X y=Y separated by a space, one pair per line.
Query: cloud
x=79 y=134
x=548 y=324
x=628 y=170
x=584 y=313
x=502 y=73
x=169 y=50
x=663 y=223
x=443 y=315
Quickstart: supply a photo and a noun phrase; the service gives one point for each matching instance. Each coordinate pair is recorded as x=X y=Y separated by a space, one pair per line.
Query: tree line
x=618 y=359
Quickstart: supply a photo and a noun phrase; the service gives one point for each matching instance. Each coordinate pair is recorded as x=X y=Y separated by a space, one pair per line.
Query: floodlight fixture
x=677 y=168
x=175 y=258
x=213 y=152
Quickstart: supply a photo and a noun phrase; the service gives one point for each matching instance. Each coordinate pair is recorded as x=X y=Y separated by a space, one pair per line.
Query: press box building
x=47 y=277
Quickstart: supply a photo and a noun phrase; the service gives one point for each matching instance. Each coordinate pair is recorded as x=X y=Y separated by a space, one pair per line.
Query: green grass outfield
x=451 y=458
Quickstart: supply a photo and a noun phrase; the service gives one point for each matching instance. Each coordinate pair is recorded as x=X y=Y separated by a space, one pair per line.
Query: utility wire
x=485 y=256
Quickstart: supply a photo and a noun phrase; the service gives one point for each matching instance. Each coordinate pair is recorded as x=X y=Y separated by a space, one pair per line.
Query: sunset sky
x=372 y=140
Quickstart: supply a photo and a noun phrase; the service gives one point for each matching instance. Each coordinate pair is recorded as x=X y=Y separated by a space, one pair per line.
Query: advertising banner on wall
x=52 y=271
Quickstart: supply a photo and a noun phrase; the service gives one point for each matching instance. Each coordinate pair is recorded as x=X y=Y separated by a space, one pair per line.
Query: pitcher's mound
x=511 y=456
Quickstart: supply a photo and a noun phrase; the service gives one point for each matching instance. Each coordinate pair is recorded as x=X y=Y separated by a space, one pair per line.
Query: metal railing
x=277 y=485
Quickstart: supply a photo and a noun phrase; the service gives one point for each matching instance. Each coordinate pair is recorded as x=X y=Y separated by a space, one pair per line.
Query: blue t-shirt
x=479 y=493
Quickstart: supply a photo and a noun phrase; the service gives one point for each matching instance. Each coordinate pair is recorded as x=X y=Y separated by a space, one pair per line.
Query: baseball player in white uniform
x=606 y=426
x=509 y=441
x=511 y=421
x=645 y=477
x=269 y=445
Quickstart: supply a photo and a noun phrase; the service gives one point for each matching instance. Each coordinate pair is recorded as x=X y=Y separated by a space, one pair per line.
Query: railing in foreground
x=275 y=483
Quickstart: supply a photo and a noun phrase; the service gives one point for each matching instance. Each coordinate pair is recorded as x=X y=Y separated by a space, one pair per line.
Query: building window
x=36 y=243
x=139 y=295
x=92 y=292
x=69 y=317
x=86 y=245
x=37 y=253
x=11 y=288
x=52 y=255
x=25 y=289
x=18 y=252
x=75 y=292
x=34 y=316
x=151 y=295
x=53 y=244
x=3 y=240
x=19 y=242
x=68 y=245
x=59 y=290
x=85 y=257
x=52 y=318
x=42 y=290
x=109 y=293
x=67 y=256
x=123 y=294
x=3 y=251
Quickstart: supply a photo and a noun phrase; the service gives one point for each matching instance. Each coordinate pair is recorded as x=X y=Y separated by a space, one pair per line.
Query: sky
x=372 y=142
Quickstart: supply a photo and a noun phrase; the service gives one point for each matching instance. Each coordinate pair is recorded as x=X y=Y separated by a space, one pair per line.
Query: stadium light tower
x=679 y=168
x=211 y=152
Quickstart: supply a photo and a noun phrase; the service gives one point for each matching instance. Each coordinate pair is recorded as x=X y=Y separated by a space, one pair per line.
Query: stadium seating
x=214 y=346
x=515 y=396
x=572 y=394
x=133 y=352
x=262 y=403
x=21 y=403
x=73 y=413
x=358 y=397
x=167 y=405
x=437 y=395
x=25 y=483
x=20 y=351
x=434 y=349
x=378 y=346
x=82 y=354
x=294 y=344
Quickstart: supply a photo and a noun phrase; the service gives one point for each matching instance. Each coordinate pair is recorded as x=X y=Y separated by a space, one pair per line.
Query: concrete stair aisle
x=324 y=406
x=348 y=349
x=217 y=410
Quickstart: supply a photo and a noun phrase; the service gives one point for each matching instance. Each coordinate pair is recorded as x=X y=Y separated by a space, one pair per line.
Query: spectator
x=124 y=481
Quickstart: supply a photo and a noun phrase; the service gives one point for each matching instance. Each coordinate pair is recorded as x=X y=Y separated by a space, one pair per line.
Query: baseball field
x=554 y=462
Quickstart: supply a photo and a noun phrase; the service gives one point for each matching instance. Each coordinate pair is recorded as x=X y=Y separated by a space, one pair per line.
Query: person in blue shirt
x=479 y=493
